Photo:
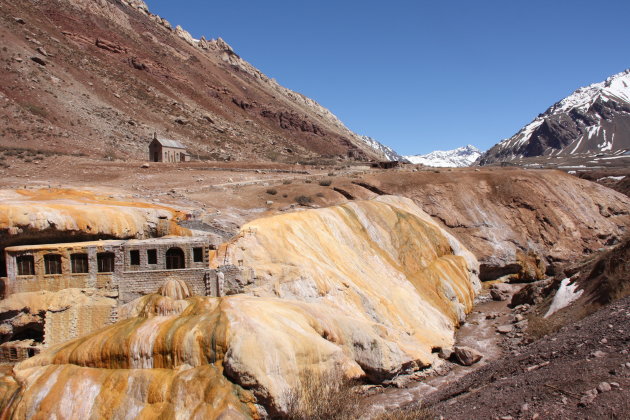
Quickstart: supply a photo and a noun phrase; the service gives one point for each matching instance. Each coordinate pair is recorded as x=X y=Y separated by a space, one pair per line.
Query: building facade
x=131 y=268
x=114 y=271
x=165 y=150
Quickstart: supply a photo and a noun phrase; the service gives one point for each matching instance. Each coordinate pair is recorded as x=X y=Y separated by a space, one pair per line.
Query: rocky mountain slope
x=592 y=120
x=99 y=77
x=367 y=289
x=388 y=152
x=460 y=157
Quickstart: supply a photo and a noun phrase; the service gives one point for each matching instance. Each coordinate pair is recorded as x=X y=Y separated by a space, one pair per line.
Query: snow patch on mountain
x=389 y=153
x=456 y=158
x=615 y=88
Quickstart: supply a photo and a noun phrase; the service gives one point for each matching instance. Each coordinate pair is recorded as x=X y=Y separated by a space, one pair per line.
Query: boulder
x=498 y=295
x=445 y=354
x=38 y=60
x=504 y=329
x=603 y=387
x=466 y=356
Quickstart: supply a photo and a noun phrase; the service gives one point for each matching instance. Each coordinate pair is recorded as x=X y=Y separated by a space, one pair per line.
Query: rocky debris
x=42 y=51
x=445 y=354
x=38 y=60
x=604 y=387
x=137 y=63
x=551 y=375
x=532 y=293
x=110 y=46
x=598 y=354
x=501 y=291
x=203 y=43
x=19 y=20
x=504 y=329
x=185 y=35
x=466 y=356
x=498 y=295
x=145 y=165
x=588 y=397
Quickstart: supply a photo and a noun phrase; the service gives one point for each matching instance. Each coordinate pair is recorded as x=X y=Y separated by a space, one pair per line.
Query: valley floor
x=580 y=372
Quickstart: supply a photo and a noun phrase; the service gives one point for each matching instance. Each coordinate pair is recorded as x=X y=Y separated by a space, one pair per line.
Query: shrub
x=320 y=194
x=287 y=181
x=325 y=182
x=303 y=200
x=37 y=110
x=331 y=174
x=272 y=191
x=308 y=181
x=285 y=195
x=412 y=413
x=322 y=396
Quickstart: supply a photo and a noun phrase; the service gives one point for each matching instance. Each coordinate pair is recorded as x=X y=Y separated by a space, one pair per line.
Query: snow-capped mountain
x=460 y=157
x=593 y=119
x=389 y=153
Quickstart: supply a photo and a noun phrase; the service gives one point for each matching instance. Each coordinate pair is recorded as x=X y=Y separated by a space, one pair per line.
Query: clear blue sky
x=422 y=75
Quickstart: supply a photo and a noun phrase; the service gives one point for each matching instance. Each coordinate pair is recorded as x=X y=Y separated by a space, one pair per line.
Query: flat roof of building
x=112 y=242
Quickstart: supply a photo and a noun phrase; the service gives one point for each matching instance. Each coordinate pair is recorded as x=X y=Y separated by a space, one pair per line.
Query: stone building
x=115 y=271
x=165 y=150
x=130 y=267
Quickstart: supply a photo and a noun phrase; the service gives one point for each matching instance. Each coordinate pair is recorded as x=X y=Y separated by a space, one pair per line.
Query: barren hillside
x=97 y=78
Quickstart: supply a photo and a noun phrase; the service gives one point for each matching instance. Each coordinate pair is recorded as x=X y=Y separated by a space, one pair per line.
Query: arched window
x=175 y=259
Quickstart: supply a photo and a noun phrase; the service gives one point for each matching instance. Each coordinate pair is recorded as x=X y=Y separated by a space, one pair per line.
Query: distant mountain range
x=460 y=157
x=593 y=120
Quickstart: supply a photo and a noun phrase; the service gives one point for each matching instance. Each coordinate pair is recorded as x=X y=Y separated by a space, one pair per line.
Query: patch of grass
x=308 y=181
x=37 y=110
x=331 y=174
x=322 y=396
x=303 y=200
x=287 y=181
x=412 y=413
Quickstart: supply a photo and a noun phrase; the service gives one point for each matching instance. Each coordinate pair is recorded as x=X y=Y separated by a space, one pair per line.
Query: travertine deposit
x=83 y=213
x=364 y=289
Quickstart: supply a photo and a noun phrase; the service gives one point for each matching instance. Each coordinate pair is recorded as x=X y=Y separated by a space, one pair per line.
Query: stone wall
x=134 y=284
x=76 y=321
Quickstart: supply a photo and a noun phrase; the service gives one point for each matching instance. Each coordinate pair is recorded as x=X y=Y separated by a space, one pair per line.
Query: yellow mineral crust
x=84 y=211
x=363 y=289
